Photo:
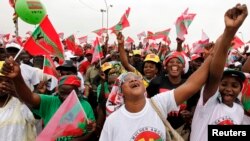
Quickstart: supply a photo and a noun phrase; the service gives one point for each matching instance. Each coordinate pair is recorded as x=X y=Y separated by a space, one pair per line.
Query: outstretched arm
x=193 y=83
x=11 y=69
x=233 y=20
x=123 y=55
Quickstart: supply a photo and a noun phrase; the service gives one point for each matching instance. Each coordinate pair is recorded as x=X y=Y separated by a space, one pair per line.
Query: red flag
x=69 y=120
x=237 y=42
x=129 y=40
x=99 y=32
x=162 y=34
x=98 y=54
x=49 y=67
x=150 y=35
x=182 y=23
x=61 y=35
x=83 y=39
x=70 y=42
x=123 y=23
x=45 y=41
x=6 y=38
x=142 y=34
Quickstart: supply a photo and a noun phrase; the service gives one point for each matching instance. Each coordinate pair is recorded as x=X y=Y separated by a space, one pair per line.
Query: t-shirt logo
x=226 y=120
x=147 y=134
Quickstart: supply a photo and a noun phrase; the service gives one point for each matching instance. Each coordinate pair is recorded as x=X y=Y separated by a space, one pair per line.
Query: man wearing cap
x=137 y=61
x=29 y=73
x=83 y=66
x=68 y=68
x=46 y=105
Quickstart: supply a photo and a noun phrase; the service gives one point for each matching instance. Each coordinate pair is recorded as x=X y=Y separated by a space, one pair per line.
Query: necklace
x=6 y=101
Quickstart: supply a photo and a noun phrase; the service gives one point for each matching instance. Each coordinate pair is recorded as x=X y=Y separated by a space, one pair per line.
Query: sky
x=81 y=17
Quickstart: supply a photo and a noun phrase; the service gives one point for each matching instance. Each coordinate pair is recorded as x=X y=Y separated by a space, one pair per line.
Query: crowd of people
x=116 y=92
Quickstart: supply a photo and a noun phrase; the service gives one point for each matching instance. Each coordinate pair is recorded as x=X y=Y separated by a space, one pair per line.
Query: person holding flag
x=45 y=105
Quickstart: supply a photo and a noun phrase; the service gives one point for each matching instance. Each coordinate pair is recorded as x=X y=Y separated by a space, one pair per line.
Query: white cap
x=68 y=55
x=13 y=45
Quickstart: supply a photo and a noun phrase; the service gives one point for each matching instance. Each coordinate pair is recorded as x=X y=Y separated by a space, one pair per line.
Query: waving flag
x=140 y=35
x=49 y=67
x=69 y=120
x=150 y=35
x=45 y=41
x=182 y=23
x=237 y=42
x=99 y=32
x=198 y=46
x=61 y=35
x=70 y=42
x=123 y=23
x=129 y=40
x=98 y=54
x=83 y=39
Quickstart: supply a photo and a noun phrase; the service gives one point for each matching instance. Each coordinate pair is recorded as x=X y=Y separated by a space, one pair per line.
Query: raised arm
x=12 y=70
x=179 y=44
x=123 y=55
x=193 y=83
x=233 y=20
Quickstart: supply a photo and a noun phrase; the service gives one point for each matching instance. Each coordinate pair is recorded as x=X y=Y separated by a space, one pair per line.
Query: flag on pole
x=182 y=23
x=61 y=35
x=150 y=35
x=49 y=67
x=129 y=40
x=83 y=39
x=140 y=35
x=70 y=42
x=123 y=23
x=69 y=120
x=99 y=32
x=45 y=41
x=98 y=54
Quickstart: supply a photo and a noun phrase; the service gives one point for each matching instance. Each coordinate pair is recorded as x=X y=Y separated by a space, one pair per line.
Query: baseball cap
x=152 y=57
x=13 y=45
x=106 y=66
x=136 y=52
x=235 y=73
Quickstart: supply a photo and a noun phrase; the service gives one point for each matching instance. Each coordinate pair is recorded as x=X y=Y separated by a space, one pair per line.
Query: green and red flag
x=129 y=40
x=49 y=67
x=69 y=120
x=182 y=23
x=99 y=32
x=45 y=41
x=70 y=43
x=123 y=23
x=98 y=54
x=150 y=35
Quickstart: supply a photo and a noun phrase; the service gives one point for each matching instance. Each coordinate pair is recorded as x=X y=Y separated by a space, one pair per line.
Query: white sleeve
x=105 y=132
x=211 y=101
x=165 y=101
x=34 y=77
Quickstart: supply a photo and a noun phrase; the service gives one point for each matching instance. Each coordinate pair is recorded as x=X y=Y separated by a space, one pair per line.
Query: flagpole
x=43 y=67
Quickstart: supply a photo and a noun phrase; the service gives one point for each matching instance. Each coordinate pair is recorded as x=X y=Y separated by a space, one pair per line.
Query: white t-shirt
x=30 y=75
x=246 y=120
x=123 y=125
x=213 y=112
x=17 y=123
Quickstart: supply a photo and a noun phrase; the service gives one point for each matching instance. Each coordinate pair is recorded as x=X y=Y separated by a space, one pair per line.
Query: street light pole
x=107 y=9
x=102 y=10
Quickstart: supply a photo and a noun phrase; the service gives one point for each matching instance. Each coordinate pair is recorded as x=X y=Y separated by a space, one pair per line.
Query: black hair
x=158 y=66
